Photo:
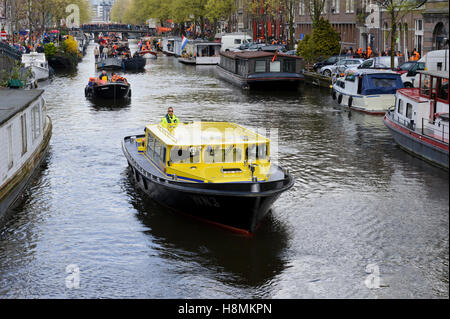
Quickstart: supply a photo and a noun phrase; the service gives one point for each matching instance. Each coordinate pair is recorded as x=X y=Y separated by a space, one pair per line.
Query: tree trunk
x=393 y=32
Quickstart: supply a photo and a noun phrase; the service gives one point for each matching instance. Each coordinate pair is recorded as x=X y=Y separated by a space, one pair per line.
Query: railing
x=117 y=28
x=6 y=49
x=439 y=134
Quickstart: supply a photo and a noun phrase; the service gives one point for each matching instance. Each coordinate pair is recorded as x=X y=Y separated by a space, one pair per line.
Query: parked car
x=249 y=47
x=379 y=62
x=340 y=66
x=274 y=47
x=330 y=61
x=408 y=71
x=291 y=52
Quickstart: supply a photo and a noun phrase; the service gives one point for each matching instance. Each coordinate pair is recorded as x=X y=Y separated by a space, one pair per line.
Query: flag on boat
x=184 y=41
x=140 y=45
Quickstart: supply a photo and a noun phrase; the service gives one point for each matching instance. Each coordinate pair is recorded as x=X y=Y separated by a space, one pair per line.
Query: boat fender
x=350 y=101
x=333 y=95
x=339 y=99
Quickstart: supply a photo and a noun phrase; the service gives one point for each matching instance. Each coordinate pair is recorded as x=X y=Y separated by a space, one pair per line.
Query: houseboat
x=25 y=132
x=419 y=122
x=250 y=69
x=367 y=91
x=217 y=172
x=100 y=89
x=201 y=53
x=38 y=64
x=172 y=46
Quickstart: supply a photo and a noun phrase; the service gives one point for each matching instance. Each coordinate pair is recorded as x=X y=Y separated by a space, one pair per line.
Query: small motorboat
x=367 y=91
x=113 y=63
x=38 y=64
x=97 y=88
x=218 y=172
x=135 y=63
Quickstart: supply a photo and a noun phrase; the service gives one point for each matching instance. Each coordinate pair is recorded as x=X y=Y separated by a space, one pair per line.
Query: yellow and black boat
x=219 y=172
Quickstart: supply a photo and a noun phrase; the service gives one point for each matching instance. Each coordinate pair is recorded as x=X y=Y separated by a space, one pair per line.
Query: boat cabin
x=369 y=82
x=426 y=108
x=203 y=52
x=260 y=63
x=207 y=152
x=35 y=59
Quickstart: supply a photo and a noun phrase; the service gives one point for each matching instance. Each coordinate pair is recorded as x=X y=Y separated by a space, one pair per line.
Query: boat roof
x=369 y=71
x=439 y=74
x=14 y=101
x=255 y=54
x=206 y=133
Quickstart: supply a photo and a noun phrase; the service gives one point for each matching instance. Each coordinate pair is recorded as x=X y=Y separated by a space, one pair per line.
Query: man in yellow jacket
x=170 y=120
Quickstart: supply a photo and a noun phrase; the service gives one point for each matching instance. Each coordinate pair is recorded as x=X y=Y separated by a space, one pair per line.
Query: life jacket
x=166 y=121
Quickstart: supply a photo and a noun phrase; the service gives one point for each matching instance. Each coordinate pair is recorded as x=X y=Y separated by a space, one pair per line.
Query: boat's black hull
x=109 y=91
x=136 y=63
x=239 y=207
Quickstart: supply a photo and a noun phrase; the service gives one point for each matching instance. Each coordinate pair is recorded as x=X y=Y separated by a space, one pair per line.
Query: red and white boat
x=419 y=122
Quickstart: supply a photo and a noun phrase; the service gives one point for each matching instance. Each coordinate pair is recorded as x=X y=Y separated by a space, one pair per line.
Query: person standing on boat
x=96 y=53
x=170 y=120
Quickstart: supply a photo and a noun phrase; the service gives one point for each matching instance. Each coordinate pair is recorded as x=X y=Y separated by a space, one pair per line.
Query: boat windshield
x=185 y=154
x=222 y=154
x=381 y=84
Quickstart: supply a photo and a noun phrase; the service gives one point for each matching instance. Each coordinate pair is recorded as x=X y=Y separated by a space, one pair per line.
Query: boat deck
x=13 y=101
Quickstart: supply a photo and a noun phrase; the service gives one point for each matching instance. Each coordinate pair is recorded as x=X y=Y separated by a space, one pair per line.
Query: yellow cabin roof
x=205 y=133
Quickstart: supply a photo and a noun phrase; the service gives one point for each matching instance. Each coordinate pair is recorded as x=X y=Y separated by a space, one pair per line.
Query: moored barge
x=252 y=69
x=25 y=132
x=419 y=122
x=215 y=171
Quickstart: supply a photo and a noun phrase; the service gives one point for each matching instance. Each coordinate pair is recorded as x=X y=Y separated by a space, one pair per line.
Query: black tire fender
x=339 y=99
x=333 y=95
x=350 y=101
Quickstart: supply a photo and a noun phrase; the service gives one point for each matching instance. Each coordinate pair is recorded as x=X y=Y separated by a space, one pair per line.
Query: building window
x=23 y=122
x=301 y=7
x=289 y=66
x=349 y=6
x=335 y=5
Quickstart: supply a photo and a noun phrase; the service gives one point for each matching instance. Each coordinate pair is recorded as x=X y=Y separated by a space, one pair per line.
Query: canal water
x=364 y=219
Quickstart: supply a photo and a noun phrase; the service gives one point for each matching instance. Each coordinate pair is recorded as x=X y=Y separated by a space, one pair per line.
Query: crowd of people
x=414 y=55
x=111 y=47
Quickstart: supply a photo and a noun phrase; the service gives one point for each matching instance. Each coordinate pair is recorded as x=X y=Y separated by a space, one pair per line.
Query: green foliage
x=323 y=41
x=50 y=49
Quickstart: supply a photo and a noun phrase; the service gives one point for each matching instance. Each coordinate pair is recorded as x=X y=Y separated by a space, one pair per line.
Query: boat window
x=260 y=66
x=157 y=153
x=222 y=154
x=36 y=121
x=409 y=110
x=275 y=66
x=400 y=107
x=442 y=92
x=384 y=82
x=425 y=85
x=185 y=154
x=150 y=144
x=366 y=64
x=254 y=151
x=289 y=66
x=350 y=77
x=163 y=154
x=237 y=41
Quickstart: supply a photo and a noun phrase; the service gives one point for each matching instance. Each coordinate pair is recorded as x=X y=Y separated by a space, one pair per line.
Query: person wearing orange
x=369 y=51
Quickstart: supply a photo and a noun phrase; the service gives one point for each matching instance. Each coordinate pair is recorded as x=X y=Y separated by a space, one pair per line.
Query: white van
x=437 y=60
x=233 y=40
